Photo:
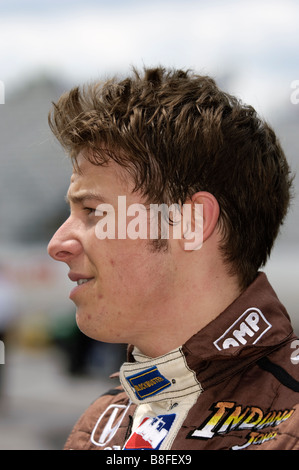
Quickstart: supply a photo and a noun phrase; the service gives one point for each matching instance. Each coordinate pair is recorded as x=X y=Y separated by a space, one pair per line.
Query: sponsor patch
x=148 y=382
x=228 y=416
x=114 y=416
x=150 y=433
x=247 y=329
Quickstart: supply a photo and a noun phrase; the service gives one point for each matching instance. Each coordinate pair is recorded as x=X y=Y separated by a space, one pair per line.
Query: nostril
x=62 y=254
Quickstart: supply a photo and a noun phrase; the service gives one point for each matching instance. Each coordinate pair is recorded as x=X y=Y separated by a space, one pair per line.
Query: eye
x=89 y=210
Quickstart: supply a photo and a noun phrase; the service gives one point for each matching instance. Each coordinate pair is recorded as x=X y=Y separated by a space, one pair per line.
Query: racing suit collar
x=167 y=377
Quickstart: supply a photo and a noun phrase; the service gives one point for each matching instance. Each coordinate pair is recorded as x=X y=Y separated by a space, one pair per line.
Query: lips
x=80 y=279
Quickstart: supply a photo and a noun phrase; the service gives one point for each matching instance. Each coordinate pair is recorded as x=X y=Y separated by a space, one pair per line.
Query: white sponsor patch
x=247 y=329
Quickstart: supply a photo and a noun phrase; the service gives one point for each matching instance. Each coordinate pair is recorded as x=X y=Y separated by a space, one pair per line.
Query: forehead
x=109 y=178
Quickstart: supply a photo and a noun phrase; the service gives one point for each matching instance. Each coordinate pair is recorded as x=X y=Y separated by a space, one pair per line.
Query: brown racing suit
x=233 y=385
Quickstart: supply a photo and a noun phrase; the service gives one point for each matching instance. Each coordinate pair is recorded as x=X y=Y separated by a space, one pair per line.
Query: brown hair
x=177 y=133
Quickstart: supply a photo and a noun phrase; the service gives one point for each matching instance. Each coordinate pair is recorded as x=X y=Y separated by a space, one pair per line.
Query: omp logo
x=247 y=329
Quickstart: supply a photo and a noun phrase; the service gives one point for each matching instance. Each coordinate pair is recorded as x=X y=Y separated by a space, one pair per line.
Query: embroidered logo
x=148 y=382
x=228 y=416
x=247 y=329
x=150 y=433
x=116 y=415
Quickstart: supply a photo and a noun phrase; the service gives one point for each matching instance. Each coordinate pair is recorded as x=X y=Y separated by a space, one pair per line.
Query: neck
x=199 y=290
x=194 y=304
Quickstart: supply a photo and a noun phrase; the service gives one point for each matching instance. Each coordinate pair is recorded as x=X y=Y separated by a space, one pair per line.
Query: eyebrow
x=83 y=196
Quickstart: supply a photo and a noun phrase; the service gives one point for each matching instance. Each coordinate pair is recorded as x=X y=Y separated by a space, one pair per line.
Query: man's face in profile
x=122 y=286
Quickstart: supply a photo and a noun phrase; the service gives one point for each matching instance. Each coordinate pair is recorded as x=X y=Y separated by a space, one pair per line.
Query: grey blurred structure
x=34 y=174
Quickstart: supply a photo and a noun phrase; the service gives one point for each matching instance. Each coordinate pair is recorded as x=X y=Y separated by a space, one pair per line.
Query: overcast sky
x=255 y=43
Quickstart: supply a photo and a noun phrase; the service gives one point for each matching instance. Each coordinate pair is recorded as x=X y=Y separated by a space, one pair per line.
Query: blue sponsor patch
x=148 y=382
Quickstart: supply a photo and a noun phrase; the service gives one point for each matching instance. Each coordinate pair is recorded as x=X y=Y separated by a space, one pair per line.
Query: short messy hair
x=177 y=133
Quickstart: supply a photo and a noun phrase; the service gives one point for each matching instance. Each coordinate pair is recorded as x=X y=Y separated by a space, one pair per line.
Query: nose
x=65 y=243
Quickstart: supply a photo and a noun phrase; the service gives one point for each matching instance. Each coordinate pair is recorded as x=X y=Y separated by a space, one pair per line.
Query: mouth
x=81 y=280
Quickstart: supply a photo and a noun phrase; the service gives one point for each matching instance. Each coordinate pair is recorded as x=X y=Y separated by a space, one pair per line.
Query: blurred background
x=51 y=372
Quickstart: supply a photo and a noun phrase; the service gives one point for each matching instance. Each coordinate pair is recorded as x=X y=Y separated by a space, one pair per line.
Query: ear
x=200 y=217
x=211 y=211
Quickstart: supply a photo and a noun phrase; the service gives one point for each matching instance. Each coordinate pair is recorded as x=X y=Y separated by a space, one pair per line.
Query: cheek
x=128 y=271
x=141 y=275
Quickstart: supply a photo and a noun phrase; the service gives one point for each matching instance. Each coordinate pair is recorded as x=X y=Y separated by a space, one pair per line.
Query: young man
x=211 y=361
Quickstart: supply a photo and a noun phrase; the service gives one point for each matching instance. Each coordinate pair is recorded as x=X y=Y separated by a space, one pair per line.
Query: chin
x=84 y=323
x=99 y=333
